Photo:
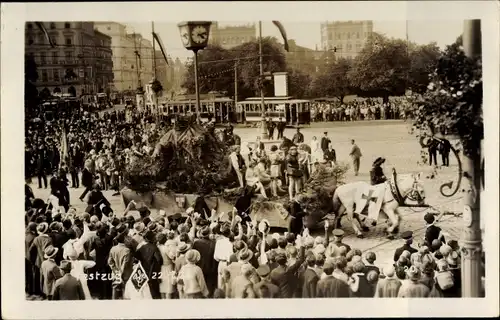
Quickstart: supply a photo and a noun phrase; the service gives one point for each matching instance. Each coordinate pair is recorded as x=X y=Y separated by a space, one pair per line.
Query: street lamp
x=194 y=36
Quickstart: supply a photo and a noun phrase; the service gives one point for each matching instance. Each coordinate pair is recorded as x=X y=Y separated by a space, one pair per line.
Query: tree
x=214 y=64
x=453 y=100
x=299 y=84
x=381 y=67
x=333 y=81
x=216 y=68
x=423 y=61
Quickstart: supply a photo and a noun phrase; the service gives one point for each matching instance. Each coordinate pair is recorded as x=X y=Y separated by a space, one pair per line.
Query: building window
x=69 y=41
x=330 y=36
x=109 y=28
x=41 y=39
x=30 y=41
x=55 y=58
x=56 y=75
x=42 y=58
x=54 y=39
x=67 y=25
x=45 y=76
x=52 y=25
x=348 y=36
x=357 y=35
x=68 y=55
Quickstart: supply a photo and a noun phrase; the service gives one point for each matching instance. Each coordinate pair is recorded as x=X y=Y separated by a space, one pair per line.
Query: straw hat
x=182 y=247
x=245 y=255
x=193 y=256
x=42 y=228
x=413 y=273
x=50 y=252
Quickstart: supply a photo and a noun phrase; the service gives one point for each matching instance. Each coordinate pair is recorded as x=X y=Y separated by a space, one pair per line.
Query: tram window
x=176 y=109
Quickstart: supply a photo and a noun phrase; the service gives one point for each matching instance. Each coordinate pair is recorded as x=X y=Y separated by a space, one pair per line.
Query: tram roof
x=181 y=101
x=277 y=100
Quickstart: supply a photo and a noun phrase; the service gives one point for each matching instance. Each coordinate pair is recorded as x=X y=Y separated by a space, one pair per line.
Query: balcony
x=70 y=62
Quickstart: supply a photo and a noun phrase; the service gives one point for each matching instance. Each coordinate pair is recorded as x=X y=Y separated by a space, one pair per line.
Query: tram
x=293 y=111
x=218 y=109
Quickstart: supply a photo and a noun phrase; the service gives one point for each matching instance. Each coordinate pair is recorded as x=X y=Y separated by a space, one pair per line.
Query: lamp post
x=263 y=123
x=194 y=36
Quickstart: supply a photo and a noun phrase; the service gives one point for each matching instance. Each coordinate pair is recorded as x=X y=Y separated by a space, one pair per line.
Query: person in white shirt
x=222 y=253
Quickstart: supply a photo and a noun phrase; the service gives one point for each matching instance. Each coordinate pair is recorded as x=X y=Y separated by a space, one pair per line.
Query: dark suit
x=273 y=289
x=285 y=277
x=309 y=283
x=150 y=257
x=68 y=288
x=400 y=250
x=30 y=286
x=325 y=143
x=331 y=287
x=207 y=263
x=87 y=181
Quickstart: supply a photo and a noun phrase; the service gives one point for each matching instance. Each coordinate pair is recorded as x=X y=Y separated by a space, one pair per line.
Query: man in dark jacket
x=408 y=237
x=325 y=142
x=67 y=287
x=444 y=149
x=87 y=182
x=298 y=137
x=150 y=257
x=309 y=278
x=281 y=128
x=284 y=276
x=206 y=248
x=331 y=287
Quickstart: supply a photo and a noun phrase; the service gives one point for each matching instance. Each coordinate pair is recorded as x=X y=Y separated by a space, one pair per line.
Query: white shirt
x=223 y=249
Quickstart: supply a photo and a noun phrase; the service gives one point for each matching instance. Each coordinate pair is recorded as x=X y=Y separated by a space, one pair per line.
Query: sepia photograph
x=253 y=159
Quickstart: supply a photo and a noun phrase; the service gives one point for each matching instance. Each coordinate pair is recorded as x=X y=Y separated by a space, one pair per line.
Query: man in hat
x=67 y=287
x=408 y=237
x=223 y=251
x=151 y=259
x=36 y=251
x=325 y=142
x=120 y=261
x=280 y=127
x=265 y=285
x=30 y=235
x=355 y=156
x=284 y=275
x=49 y=270
x=309 y=278
x=298 y=137
x=432 y=232
x=377 y=175
x=206 y=247
x=334 y=248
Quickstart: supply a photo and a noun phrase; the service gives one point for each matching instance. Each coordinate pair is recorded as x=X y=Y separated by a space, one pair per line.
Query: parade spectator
x=355 y=156
x=67 y=287
x=330 y=287
x=49 y=270
x=298 y=137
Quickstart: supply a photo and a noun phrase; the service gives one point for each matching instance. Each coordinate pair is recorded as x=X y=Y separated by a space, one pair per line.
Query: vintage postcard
x=277 y=159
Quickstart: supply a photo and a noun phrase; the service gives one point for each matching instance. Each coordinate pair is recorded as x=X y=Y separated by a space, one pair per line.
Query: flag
x=158 y=40
x=45 y=32
x=64 y=145
x=283 y=33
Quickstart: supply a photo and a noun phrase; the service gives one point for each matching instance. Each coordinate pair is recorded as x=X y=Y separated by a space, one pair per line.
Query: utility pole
x=263 y=124
x=157 y=109
x=472 y=242
x=235 y=84
x=137 y=63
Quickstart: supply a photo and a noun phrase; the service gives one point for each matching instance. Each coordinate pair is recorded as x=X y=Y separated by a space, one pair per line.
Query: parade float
x=190 y=161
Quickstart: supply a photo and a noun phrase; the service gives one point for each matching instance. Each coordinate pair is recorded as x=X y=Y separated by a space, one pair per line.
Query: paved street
x=389 y=139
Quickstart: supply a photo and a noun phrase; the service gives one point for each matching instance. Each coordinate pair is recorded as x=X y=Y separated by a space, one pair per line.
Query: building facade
x=104 y=62
x=302 y=58
x=129 y=70
x=347 y=37
x=232 y=36
x=71 y=65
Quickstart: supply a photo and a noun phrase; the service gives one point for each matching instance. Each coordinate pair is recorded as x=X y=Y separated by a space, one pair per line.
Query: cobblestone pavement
x=389 y=139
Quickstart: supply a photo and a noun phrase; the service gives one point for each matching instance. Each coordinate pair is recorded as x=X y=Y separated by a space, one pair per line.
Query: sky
x=307 y=34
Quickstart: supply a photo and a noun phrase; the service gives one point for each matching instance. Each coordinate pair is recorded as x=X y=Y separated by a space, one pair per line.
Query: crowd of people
x=365 y=109
x=98 y=253
x=80 y=256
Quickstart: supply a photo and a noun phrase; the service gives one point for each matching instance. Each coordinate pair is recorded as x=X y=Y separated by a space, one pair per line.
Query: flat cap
x=407 y=235
x=338 y=232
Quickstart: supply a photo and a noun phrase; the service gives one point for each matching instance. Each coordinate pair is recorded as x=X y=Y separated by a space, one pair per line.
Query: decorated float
x=191 y=163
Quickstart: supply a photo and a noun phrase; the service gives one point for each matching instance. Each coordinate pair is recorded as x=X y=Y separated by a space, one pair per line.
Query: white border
x=14 y=305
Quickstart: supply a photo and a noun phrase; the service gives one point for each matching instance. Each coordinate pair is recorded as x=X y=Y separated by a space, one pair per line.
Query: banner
x=47 y=36
x=158 y=40
x=283 y=33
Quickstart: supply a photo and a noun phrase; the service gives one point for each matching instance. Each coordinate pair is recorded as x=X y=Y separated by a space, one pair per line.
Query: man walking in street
x=355 y=156
x=325 y=142
x=298 y=137
x=281 y=128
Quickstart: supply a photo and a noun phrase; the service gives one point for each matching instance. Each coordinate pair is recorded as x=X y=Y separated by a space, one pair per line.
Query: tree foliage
x=453 y=99
x=381 y=66
x=216 y=68
x=423 y=61
x=332 y=82
x=299 y=83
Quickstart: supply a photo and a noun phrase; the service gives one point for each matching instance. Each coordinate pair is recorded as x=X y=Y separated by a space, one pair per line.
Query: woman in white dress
x=316 y=152
x=167 y=285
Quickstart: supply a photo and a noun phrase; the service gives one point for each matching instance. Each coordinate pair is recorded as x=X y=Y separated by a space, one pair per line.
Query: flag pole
x=263 y=124
x=156 y=107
